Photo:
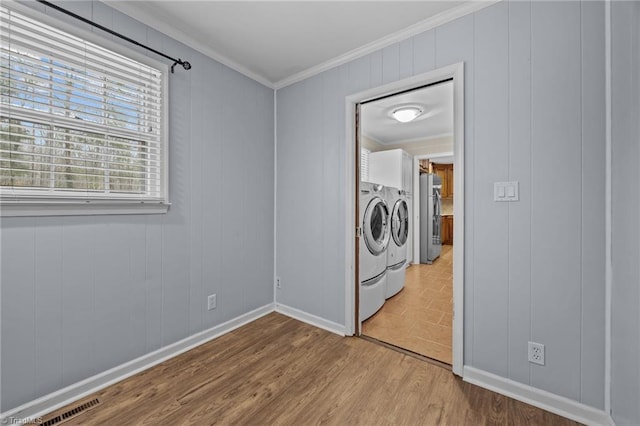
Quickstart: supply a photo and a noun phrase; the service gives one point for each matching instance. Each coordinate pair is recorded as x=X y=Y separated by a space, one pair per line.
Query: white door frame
x=455 y=72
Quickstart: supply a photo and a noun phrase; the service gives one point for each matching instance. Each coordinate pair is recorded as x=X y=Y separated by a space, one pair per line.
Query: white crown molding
x=130 y=8
x=418 y=140
x=557 y=404
x=373 y=138
x=420 y=27
x=408 y=141
x=134 y=11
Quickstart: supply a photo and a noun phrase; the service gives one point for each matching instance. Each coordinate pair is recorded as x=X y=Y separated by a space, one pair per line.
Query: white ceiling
x=436 y=120
x=274 y=41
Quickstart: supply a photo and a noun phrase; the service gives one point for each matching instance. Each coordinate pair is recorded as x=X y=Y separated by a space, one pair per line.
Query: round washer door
x=375 y=227
x=400 y=223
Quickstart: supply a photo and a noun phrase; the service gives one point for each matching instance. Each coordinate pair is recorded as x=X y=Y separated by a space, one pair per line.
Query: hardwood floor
x=419 y=318
x=279 y=371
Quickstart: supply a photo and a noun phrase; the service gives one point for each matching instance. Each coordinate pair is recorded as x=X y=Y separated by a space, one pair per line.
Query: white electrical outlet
x=211 y=302
x=536 y=353
x=278 y=282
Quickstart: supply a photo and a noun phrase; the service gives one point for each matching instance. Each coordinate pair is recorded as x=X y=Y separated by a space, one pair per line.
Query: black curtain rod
x=186 y=65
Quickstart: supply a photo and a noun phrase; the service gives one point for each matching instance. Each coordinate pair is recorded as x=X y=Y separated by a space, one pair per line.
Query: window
x=79 y=124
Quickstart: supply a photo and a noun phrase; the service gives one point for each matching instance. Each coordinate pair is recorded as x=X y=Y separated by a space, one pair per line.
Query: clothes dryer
x=397 y=249
x=374 y=223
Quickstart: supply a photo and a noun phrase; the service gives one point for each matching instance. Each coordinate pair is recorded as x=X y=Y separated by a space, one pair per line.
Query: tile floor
x=419 y=318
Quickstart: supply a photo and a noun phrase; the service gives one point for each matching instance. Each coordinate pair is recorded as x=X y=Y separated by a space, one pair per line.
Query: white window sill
x=79 y=208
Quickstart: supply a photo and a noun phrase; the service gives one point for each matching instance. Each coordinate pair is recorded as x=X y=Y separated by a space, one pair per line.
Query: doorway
x=416 y=310
x=390 y=98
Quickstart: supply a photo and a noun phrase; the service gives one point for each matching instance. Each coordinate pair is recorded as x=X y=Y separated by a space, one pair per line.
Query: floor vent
x=69 y=414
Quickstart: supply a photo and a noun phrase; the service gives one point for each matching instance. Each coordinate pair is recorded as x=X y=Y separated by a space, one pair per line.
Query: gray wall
x=534 y=112
x=625 y=365
x=84 y=294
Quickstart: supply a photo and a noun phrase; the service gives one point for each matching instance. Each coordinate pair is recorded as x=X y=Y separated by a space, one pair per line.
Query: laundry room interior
x=406 y=215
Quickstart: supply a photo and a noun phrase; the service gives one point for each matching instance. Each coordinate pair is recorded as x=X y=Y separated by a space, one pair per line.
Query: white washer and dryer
x=397 y=250
x=374 y=222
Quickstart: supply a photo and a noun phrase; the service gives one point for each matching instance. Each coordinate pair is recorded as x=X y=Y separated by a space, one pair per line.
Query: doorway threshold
x=407 y=352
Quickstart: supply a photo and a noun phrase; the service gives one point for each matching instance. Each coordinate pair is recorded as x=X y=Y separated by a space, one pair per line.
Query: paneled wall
x=83 y=294
x=625 y=235
x=535 y=113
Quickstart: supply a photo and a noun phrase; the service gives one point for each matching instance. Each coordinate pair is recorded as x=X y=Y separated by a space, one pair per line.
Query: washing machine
x=374 y=240
x=397 y=249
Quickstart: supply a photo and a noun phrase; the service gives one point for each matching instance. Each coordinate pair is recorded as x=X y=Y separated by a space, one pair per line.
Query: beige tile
x=447 y=288
x=434 y=350
x=419 y=303
x=419 y=317
x=433 y=333
x=446 y=320
x=394 y=307
x=431 y=287
x=442 y=305
x=393 y=321
x=384 y=334
x=437 y=296
x=427 y=315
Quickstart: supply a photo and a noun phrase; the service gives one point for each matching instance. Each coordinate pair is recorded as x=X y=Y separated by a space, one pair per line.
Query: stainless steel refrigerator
x=430 y=207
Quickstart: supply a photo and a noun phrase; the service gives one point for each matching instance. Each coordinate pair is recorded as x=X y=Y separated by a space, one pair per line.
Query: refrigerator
x=430 y=207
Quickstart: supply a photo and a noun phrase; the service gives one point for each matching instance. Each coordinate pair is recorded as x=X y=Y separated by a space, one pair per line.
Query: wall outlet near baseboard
x=278 y=282
x=211 y=302
x=536 y=353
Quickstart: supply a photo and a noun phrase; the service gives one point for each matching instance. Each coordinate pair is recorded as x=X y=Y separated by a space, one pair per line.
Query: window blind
x=364 y=164
x=77 y=120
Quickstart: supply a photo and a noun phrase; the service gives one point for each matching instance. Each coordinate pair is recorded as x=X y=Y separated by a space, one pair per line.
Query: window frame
x=61 y=205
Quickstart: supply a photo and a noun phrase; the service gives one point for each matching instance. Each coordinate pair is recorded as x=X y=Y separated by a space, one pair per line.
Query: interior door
x=358 y=230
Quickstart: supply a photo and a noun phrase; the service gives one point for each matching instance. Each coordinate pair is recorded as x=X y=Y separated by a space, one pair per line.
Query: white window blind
x=364 y=164
x=77 y=121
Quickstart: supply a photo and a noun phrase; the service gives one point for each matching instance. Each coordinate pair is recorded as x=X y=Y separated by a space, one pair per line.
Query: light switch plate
x=505 y=191
x=212 y=302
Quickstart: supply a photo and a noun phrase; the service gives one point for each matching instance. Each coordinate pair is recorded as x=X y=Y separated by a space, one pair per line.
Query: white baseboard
x=539 y=398
x=76 y=391
x=311 y=319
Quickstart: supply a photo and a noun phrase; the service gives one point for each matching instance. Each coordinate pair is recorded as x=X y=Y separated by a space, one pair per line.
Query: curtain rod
x=186 y=65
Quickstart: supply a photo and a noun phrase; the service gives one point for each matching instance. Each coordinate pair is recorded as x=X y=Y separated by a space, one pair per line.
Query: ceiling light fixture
x=406 y=114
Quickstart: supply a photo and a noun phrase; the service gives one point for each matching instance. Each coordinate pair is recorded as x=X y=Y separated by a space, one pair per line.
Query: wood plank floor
x=419 y=318
x=279 y=371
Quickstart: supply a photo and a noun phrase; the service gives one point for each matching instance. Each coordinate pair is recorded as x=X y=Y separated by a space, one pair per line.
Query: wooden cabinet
x=445 y=171
x=446 y=228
